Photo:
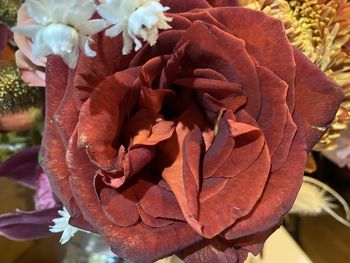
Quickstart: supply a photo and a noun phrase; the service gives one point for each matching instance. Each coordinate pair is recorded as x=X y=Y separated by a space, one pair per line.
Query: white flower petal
x=37 y=11
x=27 y=30
x=108 y=13
x=67 y=234
x=62 y=225
x=71 y=58
x=39 y=49
x=115 y=30
x=61 y=26
x=92 y=27
x=81 y=12
x=138 y=19
x=85 y=44
x=60 y=10
x=127 y=40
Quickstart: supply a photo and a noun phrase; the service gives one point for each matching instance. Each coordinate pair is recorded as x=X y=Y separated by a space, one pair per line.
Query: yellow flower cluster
x=8 y=11
x=321 y=30
x=15 y=95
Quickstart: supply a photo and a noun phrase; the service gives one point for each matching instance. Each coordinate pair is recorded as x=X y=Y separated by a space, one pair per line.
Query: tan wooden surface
x=47 y=250
x=325 y=240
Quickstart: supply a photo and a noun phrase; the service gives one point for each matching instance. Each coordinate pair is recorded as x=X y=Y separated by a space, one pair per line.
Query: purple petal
x=44 y=197
x=3 y=36
x=27 y=225
x=22 y=167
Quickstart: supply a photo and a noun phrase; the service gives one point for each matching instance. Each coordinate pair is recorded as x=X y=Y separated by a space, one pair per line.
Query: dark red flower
x=195 y=146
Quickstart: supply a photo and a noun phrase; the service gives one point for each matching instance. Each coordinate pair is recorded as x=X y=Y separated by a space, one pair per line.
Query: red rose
x=195 y=146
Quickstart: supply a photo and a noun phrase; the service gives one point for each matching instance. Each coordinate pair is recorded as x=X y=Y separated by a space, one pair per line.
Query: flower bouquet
x=172 y=127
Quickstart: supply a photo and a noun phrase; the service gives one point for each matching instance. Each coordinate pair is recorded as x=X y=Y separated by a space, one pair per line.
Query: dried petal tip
x=136 y=19
x=61 y=28
x=316 y=198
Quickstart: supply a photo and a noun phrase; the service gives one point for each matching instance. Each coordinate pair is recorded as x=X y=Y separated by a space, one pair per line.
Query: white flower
x=61 y=224
x=136 y=19
x=61 y=27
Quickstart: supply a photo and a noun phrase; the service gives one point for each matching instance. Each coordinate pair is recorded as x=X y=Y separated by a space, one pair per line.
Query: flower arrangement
x=181 y=127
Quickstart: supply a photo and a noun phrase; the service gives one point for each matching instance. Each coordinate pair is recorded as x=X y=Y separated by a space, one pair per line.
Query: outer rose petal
x=262 y=48
x=314 y=88
x=279 y=194
x=52 y=149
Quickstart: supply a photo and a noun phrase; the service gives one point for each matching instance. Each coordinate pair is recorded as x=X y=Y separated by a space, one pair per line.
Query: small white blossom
x=136 y=19
x=61 y=224
x=61 y=27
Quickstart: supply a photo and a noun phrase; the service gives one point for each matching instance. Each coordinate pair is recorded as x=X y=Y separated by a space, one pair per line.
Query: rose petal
x=240 y=194
x=66 y=116
x=274 y=109
x=211 y=186
x=218 y=89
x=106 y=108
x=165 y=45
x=144 y=131
x=314 y=90
x=280 y=192
x=280 y=156
x=172 y=157
x=214 y=250
x=120 y=208
x=191 y=170
x=259 y=46
x=211 y=49
x=160 y=203
x=91 y=71
x=224 y=158
x=144 y=244
x=52 y=149
x=152 y=221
